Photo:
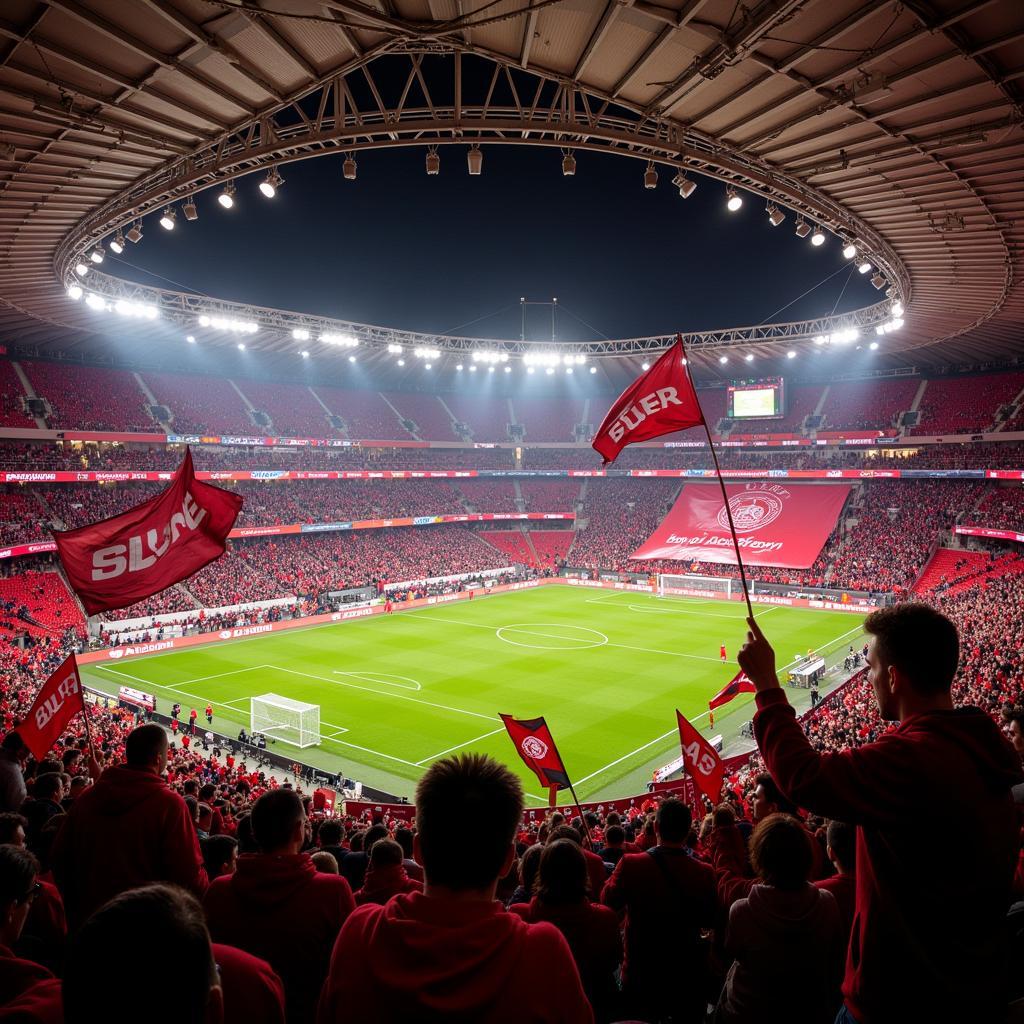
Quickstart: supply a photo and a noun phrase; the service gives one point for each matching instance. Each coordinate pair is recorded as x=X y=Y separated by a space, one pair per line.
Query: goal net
x=688 y=585
x=281 y=718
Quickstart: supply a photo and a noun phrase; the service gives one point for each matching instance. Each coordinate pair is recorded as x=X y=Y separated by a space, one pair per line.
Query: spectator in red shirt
x=220 y=855
x=278 y=907
x=451 y=953
x=592 y=931
x=842 y=852
x=597 y=874
x=386 y=875
x=668 y=897
x=929 y=921
x=127 y=830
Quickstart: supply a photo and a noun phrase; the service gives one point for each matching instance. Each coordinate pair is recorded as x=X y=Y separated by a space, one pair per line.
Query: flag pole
x=575 y=799
x=85 y=716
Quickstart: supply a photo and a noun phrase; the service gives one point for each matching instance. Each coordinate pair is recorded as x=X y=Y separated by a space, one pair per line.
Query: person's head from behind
x=146 y=749
x=769 y=799
x=279 y=822
x=14 y=747
x=614 y=836
x=49 y=787
x=1015 y=730
x=841 y=839
x=18 y=888
x=780 y=851
x=562 y=875
x=912 y=657
x=374 y=834
x=454 y=790
x=529 y=864
x=566 y=832
x=155 y=924
x=672 y=822
x=330 y=834
x=220 y=855
x=325 y=863
x=404 y=837
x=12 y=829
x=385 y=853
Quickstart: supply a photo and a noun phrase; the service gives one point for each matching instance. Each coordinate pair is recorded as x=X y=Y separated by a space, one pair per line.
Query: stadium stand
x=89 y=398
x=200 y=405
x=486 y=417
x=490 y=495
x=292 y=408
x=868 y=405
x=511 y=543
x=430 y=417
x=552 y=546
x=550 y=495
x=365 y=414
x=23 y=519
x=545 y=420
x=1001 y=509
x=40 y=604
x=963 y=405
x=12 y=397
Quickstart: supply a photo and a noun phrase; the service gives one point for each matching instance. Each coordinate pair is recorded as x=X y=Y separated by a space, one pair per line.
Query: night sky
x=401 y=249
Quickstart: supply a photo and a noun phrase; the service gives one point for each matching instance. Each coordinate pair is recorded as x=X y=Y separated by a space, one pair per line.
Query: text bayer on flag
x=131 y=556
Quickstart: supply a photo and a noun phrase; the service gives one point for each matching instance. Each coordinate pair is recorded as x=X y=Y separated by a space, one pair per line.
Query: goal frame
x=291 y=721
x=673 y=584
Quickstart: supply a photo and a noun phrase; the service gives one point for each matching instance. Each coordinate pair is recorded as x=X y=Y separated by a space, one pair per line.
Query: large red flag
x=535 y=745
x=128 y=557
x=737 y=685
x=660 y=401
x=57 y=703
x=702 y=761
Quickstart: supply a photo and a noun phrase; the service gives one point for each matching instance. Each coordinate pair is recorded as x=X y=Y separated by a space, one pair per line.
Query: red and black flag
x=737 y=685
x=535 y=745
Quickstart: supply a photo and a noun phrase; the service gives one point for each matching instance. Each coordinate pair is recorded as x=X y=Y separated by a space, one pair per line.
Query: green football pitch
x=607 y=669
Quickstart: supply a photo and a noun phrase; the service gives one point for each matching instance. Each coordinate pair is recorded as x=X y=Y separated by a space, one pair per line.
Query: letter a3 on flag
x=59 y=700
x=128 y=557
x=701 y=759
x=535 y=745
x=660 y=401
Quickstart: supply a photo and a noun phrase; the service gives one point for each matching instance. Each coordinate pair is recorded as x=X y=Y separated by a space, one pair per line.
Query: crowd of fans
x=1001 y=509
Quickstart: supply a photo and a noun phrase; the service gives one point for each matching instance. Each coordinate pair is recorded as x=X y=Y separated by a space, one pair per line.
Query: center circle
x=551 y=636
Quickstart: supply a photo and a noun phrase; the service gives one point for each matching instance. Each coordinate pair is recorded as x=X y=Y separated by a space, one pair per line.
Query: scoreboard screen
x=756 y=399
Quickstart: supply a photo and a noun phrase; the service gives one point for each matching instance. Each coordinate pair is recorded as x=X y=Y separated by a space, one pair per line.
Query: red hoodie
x=253 y=993
x=280 y=908
x=28 y=992
x=127 y=830
x=929 y=919
x=425 y=959
x=381 y=884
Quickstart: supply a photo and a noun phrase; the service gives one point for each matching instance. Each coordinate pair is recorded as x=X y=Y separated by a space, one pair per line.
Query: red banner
x=737 y=685
x=660 y=401
x=776 y=525
x=131 y=556
x=536 y=746
x=58 y=702
x=702 y=761
x=986 y=531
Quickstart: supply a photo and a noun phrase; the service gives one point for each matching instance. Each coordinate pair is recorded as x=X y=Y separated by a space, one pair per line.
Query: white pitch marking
x=384 y=678
x=476 y=739
x=520 y=627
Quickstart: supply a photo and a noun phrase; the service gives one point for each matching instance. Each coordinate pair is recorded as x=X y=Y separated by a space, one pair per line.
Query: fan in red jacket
x=127 y=830
x=386 y=875
x=668 y=897
x=597 y=873
x=278 y=907
x=929 y=921
x=451 y=953
x=842 y=851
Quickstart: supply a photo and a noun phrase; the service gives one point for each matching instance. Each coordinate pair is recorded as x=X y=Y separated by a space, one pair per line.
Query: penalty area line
x=476 y=739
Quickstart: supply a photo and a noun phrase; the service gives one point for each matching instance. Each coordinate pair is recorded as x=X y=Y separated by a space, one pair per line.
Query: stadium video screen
x=756 y=399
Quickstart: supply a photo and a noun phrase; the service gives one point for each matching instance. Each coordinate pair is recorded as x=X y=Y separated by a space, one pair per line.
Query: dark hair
x=569 y=832
x=217 y=852
x=18 y=870
x=330 y=833
x=274 y=817
x=918 y=640
x=355 y=841
x=780 y=851
x=673 y=820
x=614 y=835
x=529 y=862
x=123 y=932
x=842 y=838
x=144 y=745
x=454 y=790
x=243 y=833
x=13 y=741
x=191 y=787
x=562 y=874
x=207 y=792
x=374 y=834
x=403 y=836
x=47 y=785
x=9 y=822
x=724 y=814
x=774 y=794
x=385 y=853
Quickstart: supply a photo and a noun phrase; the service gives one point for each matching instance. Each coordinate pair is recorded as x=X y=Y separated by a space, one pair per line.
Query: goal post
x=281 y=718
x=690 y=585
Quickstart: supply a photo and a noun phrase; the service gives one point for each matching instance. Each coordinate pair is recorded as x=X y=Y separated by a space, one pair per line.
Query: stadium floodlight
x=75 y=292
x=142 y=310
x=167 y=218
x=134 y=233
x=508 y=369
x=820 y=339
x=190 y=338
x=775 y=215
x=686 y=185
x=849 y=251
x=818 y=238
x=189 y=209
x=401 y=362
x=650 y=176
x=531 y=370
x=428 y=366
x=351 y=359
x=803 y=229
x=723 y=359
x=791 y=354
x=95 y=302
x=433 y=161
x=394 y=349
x=878 y=279
x=458 y=367
x=733 y=199
x=304 y=354
x=241 y=346
x=474 y=160
x=863 y=267
x=425 y=353
x=568 y=163
x=341 y=340
x=81 y=269
x=593 y=369
x=568 y=369
x=117 y=244
x=300 y=334
x=348 y=168
x=224 y=324
x=749 y=357
x=472 y=369
x=645 y=366
x=873 y=346
x=97 y=255
x=897 y=308
x=271 y=183
x=550 y=371
x=227 y=195
x=280 y=718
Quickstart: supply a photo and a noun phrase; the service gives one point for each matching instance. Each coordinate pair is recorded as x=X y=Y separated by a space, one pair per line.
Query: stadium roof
x=898 y=123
